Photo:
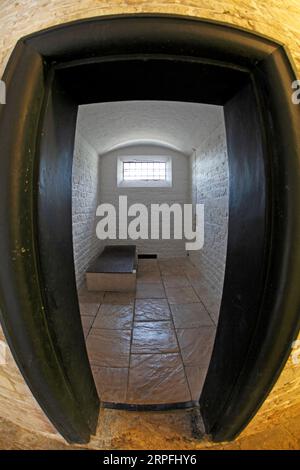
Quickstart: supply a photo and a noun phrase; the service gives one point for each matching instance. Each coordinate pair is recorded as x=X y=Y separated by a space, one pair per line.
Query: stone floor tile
x=87 y=324
x=190 y=315
x=151 y=310
x=148 y=277
x=87 y=321
x=192 y=273
x=156 y=379
x=121 y=298
x=176 y=261
x=89 y=308
x=211 y=300
x=196 y=345
x=170 y=270
x=86 y=296
x=196 y=378
x=109 y=348
x=114 y=317
x=181 y=295
x=154 y=337
x=149 y=265
x=150 y=291
x=175 y=280
x=111 y=383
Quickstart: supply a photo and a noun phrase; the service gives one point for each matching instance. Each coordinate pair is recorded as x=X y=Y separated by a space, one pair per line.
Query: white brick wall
x=178 y=193
x=85 y=197
x=210 y=180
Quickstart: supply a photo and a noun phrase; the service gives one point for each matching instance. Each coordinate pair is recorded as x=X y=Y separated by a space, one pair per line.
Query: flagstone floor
x=153 y=346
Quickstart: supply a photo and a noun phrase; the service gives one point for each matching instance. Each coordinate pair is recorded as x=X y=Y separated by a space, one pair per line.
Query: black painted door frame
x=149 y=57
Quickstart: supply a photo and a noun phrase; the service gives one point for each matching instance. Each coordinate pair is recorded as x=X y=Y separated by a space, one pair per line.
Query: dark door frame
x=46 y=78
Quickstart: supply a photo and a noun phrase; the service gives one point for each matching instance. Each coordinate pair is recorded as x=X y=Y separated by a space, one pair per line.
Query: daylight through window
x=144 y=171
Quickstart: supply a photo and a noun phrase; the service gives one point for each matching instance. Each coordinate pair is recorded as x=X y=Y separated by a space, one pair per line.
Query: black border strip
x=155 y=407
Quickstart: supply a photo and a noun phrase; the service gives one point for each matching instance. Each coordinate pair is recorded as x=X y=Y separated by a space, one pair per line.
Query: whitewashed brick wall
x=210 y=180
x=178 y=193
x=85 y=197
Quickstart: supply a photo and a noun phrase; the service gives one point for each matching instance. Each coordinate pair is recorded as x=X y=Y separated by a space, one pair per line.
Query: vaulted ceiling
x=181 y=126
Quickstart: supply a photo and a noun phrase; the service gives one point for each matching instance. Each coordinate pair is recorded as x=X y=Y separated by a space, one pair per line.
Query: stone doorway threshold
x=123 y=430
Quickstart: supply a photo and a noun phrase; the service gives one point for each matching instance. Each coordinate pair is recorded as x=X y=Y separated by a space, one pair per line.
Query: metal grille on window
x=145 y=171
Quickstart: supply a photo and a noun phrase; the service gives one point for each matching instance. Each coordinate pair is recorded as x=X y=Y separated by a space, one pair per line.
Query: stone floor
x=152 y=346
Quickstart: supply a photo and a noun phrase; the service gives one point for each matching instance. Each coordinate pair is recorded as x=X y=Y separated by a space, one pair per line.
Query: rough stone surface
x=177 y=430
x=273 y=18
x=17 y=404
x=276 y=423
